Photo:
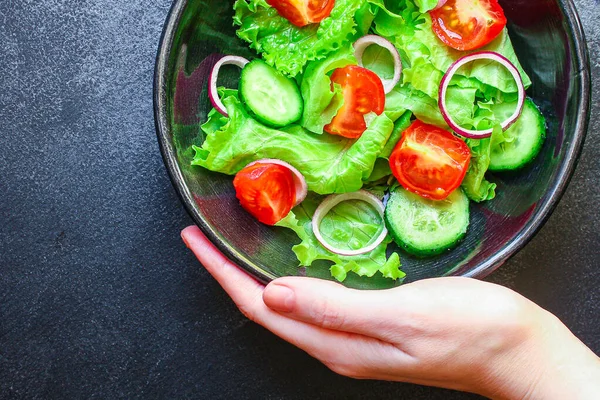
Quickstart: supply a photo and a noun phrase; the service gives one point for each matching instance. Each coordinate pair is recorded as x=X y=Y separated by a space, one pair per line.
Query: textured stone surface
x=98 y=296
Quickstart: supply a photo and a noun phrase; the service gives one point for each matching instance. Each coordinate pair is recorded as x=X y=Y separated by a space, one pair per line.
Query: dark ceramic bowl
x=550 y=43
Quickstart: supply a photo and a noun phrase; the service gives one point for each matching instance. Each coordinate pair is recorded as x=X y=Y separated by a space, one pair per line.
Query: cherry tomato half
x=303 y=12
x=468 y=24
x=363 y=93
x=266 y=191
x=430 y=161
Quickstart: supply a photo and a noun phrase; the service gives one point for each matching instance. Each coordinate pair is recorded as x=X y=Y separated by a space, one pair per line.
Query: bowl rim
x=554 y=194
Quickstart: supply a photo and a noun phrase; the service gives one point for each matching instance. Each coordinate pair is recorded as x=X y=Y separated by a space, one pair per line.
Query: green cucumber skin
x=425 y=250
x=427 y=253
x=289 y=90
x=531 y=122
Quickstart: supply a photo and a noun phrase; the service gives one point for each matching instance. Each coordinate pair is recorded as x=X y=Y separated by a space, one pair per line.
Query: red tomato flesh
x=363 y=93
x=303 y=12
x=266 y=191
x=468 y=24
x=430 y=161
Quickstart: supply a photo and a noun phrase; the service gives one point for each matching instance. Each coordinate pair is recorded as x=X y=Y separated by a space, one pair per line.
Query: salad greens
x=334 y=164
x=419 y=45
x=426 y=5
x=330 y=164
x=354 y=223
x=287 y=47
x=322 y=102
x=476 y=187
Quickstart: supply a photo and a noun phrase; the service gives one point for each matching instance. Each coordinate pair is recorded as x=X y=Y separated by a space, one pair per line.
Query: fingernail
x=279 y=298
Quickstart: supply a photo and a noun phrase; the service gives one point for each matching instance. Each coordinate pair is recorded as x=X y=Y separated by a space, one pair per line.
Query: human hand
x=455 y=333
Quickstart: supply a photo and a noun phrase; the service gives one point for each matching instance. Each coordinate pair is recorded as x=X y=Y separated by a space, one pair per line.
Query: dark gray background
x=99 y=298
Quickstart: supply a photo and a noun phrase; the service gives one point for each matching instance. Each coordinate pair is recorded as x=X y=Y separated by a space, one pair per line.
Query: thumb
x=333 y=306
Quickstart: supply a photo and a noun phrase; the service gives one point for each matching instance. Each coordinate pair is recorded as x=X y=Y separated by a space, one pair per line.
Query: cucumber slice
x=273 y=98
x=530 y=132
x=425 y=227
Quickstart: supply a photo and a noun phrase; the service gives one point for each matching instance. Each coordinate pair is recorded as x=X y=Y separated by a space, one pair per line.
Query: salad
x=363 y=123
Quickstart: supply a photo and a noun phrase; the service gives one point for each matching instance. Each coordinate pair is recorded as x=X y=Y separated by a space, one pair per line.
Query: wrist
x=571 y=369
x=518 y=366
x=542 y=359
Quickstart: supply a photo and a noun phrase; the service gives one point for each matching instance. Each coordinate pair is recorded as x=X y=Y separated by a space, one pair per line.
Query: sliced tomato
x=430 y=161
x=363 y=94
x=266 y=191
x=468 y=24
x=303 y=12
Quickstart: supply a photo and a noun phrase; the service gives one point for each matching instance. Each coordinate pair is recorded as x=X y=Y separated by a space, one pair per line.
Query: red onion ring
x=333 y=201
x=213 y=94
x=299 y=181
x=483 y=55
x=359 y=49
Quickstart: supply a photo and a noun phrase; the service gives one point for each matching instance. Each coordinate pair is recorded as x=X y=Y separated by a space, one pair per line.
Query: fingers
x=345 y=353
x=241 y=287
x=332 y=306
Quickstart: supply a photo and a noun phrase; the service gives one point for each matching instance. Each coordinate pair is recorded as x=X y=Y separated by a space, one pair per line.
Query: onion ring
x=213 y=94
x=333 y=201
x=366 y=41
x=483 y=55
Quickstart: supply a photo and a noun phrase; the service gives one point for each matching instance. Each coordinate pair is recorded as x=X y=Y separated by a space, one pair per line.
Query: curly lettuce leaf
x=400 y=17
x=322 y=101
x=423 y=76
x=286 y=46
x=330 y=164
x=351 y=224
x=487 y=92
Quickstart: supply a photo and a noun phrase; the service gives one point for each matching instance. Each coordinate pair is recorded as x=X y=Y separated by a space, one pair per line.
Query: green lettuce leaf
x=364 y=18
x=411 y=32
x=286 y=46
x=321 y=101
x=423 y=76
x=381 y=177
x=405 y=97
x=491 y=73
x=330 y=164
x=400 y=126
x=396 y=18
x=381 y=186
x=489 y=93
x=461 y=105
x=426 y=5
x=460 y=102
x=476 y=187
x=351 y=224
x=381 y=170
x=379 y=60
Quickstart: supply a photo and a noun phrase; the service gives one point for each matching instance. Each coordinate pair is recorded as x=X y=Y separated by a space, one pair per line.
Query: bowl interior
x=549 y=41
